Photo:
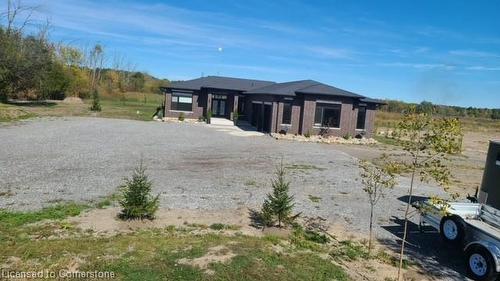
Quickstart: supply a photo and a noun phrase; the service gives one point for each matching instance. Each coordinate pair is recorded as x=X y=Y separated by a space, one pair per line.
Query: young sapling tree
x=375 y=181
x=427 y=141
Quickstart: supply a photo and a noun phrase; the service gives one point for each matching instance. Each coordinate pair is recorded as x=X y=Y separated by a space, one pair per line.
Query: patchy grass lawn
x=31 y=243
x=44 y=240
x=10 y=113
x=135 y=106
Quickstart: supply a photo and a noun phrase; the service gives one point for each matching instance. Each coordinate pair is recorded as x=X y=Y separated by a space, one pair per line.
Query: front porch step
x=221 y=121
x=244 y=129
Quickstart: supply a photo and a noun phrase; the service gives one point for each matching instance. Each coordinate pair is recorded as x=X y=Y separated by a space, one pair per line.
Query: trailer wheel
x=480 y=264
x=452 y=229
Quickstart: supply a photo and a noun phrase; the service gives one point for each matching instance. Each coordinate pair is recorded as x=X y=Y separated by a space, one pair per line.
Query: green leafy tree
x=96 y=104
x=427 y=142
x=25 y=64
x=137 y=82
x=425 y=107
x=55 y=82
x=375 y=180
x=137 y=202
x=279 y=204
x=495 y=114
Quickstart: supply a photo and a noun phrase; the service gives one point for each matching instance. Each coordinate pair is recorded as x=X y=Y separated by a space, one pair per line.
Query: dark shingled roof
x=249 y=86
x=370 y=100
x=303 y=87
x=219 y=82
x=323 y=89
x=284 y=89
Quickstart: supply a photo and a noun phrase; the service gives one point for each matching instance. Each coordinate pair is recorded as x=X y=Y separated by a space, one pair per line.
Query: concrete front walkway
x=242 y=130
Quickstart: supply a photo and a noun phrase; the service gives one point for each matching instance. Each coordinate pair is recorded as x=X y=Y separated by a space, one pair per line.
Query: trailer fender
x=494 y=251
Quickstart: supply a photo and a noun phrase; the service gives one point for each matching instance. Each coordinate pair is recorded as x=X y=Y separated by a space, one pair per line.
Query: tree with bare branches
x=17 y=16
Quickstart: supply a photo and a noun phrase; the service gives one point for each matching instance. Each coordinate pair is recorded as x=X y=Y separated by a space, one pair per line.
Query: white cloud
x=331 y=53
x=419 y=65
x=483 y=68
x=474 y=54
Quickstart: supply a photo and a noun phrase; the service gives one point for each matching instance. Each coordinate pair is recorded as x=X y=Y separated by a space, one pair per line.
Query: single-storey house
x=297 y=107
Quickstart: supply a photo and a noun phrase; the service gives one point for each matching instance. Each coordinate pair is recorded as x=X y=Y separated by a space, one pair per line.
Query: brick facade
x=302 y=117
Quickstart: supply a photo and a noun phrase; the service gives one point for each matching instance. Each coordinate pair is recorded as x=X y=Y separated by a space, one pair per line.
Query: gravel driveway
x=192 y=165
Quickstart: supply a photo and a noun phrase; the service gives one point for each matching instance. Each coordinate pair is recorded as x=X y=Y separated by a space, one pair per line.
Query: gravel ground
x=192 y=165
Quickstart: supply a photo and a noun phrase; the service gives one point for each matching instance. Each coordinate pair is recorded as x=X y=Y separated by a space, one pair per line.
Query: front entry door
x=219 y=106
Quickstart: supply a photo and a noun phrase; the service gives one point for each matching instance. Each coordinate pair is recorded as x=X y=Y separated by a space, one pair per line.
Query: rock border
x=329 y=139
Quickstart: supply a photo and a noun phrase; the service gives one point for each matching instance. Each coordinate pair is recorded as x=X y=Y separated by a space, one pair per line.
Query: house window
x=219 y=97
x=327 y=115
x=182 y=101
x=360 y=124
x=287 y=114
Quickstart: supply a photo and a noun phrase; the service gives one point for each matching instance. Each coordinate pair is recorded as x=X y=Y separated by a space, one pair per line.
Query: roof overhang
x=373 y=101
x=169 y=89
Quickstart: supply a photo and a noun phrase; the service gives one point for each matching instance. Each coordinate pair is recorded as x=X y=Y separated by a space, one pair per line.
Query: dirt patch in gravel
x=218 y=254
x=105 y=221
x=73 y=100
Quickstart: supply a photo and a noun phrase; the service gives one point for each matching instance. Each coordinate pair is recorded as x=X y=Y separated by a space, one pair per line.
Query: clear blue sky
x=446 y=52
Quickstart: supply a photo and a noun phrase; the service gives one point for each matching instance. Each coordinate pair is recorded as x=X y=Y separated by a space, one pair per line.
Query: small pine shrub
x=96 y=104
x=267 y=214
x=137 y=202
x=278 y=204
x=307 y=134
x=181 y=116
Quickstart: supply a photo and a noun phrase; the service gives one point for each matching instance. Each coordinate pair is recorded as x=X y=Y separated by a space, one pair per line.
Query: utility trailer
x=473 y=227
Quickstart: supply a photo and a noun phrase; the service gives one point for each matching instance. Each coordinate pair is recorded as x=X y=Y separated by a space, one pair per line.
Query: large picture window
x=182 y=101
x=327 y=115
x=360 y=123
x=287 y=114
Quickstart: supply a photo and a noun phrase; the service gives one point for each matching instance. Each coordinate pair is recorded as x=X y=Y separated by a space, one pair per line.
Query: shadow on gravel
x=427 y=250
x=255 y=218
x=414 y=198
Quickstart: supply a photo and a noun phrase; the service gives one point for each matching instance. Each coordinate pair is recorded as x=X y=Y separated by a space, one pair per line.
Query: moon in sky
x=220 y=49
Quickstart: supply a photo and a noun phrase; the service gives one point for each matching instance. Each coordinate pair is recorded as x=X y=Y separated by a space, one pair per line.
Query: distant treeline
x=33 y=67
x=441 y=110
